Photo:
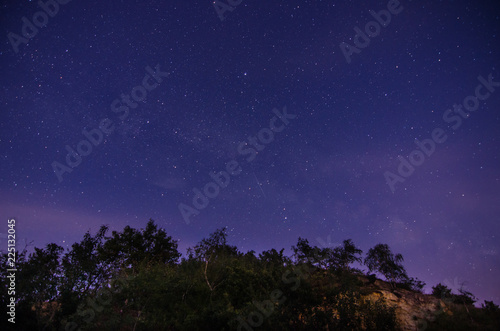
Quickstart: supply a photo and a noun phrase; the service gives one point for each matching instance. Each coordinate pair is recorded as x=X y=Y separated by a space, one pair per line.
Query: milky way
x=115 y=112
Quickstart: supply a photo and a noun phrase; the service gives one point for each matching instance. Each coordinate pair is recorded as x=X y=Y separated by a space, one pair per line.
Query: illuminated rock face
x=413 y=310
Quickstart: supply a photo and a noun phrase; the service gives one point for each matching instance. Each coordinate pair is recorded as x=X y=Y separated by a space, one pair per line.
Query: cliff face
x=413 y=310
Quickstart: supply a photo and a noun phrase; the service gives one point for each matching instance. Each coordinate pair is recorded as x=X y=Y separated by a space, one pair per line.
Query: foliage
x=490 y=306
x=441 y=291
x=338 y=258
x=465 y=318
x=84 y=270
x=135 y=280
x=411 y=284
x=41 y=279
x=465 y=297
x=129 y=248
x=312 y=255
x=342 y=256
x=382 y=260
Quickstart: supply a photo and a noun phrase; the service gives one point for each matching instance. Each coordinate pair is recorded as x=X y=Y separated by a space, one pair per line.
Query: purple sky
x=321 y=176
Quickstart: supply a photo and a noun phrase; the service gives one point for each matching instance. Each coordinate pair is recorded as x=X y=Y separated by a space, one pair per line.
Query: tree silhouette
x=312 y=255
x=490 y=306
x=382 y=260
x=213 y=251
x=343 y=256
x=441 y=291
x=84 y=269
x=127 y=249
x=133 y=280
x=274 y=258
x=41 y=277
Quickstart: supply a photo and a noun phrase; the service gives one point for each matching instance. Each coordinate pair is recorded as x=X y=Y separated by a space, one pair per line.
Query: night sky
x=308 y=117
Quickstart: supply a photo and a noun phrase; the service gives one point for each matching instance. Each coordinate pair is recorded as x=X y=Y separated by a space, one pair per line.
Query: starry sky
x=311 y=108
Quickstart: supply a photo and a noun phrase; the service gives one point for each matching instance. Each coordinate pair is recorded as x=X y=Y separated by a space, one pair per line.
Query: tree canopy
x=381 y=259
x=137 y=279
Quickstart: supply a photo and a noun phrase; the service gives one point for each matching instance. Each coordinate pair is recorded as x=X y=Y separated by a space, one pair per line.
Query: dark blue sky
x=320 y=176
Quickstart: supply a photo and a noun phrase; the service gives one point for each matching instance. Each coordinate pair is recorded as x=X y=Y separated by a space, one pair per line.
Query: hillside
x=418 y=311
x=137 y=280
